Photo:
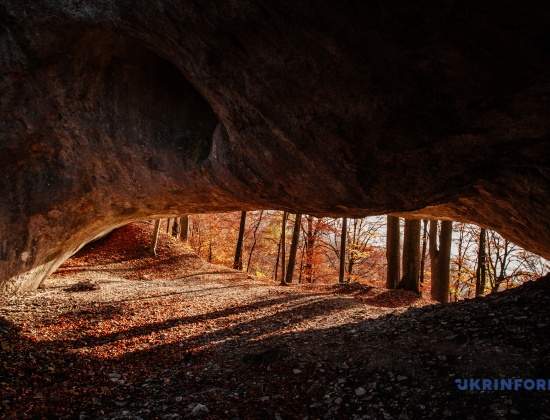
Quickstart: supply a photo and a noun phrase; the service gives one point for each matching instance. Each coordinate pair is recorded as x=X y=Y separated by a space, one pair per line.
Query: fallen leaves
x=226 y=347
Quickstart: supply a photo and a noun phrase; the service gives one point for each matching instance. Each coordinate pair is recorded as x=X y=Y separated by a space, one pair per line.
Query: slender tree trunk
x=210 y=251
x=411 y=256
x=343 y=250
x=302 y=262
x=310 y=243
x=434 y=261
x=254 y=235
x=351 y=243
x=445 y=242
x=283 y=248
x=276 y=268
x=491 y=253
x=350 y=268
x=481 y=278
x=393 y=245
x=156 y=231
x=459 y=260
x=424 y=246
x=293 y=248
x=238 y=261
x=176 y=228
x=503 y=265
x=440 y=259
x=184 y=228
x=168 y=225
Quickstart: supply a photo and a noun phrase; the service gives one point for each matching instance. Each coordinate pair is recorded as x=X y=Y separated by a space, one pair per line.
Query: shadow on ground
x=399 y=366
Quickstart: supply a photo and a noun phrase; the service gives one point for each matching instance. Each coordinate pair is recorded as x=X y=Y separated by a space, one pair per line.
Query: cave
x=113 y=112
x=118 y=116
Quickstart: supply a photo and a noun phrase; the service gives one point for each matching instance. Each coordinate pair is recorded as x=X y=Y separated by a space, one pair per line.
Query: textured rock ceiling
x=112 y=111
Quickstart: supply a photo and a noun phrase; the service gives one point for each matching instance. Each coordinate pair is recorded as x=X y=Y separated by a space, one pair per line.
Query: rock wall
x=112 y=111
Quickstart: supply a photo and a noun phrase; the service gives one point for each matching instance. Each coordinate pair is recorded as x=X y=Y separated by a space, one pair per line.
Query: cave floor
x=218 y=344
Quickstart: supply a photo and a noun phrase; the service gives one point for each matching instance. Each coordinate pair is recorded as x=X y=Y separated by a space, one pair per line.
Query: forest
x=449 y=261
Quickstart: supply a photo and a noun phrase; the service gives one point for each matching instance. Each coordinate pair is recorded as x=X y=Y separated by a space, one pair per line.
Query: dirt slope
x=126 y=253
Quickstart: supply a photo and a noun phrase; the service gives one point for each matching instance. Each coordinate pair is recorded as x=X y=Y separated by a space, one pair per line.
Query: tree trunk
x=254 y=241
x=283 y=248
x=184 y=228
x=176 y=228
x=459 y=261
x=156 y=231
x=423 y=254
x=343 y=250
x=302 y=263
x=445 y=244
x=503 y=264
x=440 y=258
x=210 y=251
x=393 y=245
x=444 y=257
x=238 y=261
x=168 y=225
x=276 y=268
x=411 y=256
x=434 y=268
x=481 y=277
x=350 y=268
x=293 y=248
x=310 y=243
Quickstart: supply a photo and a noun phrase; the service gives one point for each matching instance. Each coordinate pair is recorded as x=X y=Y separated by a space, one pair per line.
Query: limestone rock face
x=112 y=111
